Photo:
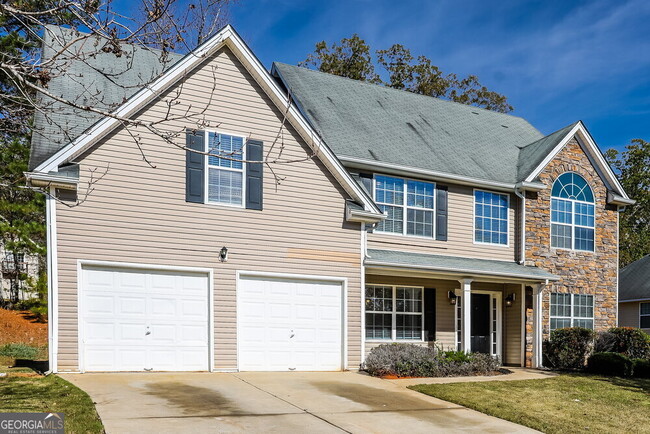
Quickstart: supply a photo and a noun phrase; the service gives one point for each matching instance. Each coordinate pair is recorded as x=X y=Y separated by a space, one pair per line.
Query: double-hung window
x=490 y=217
x=572 y=310
x=225 y=164
x=409 y=204
x=572 y=213
x=394 y=312
x=644 y=315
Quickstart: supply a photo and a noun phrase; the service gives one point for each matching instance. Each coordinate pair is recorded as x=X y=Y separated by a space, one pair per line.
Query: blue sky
x=556 y=61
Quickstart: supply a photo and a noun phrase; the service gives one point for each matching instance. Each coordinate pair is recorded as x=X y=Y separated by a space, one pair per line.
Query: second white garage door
x=287 y=324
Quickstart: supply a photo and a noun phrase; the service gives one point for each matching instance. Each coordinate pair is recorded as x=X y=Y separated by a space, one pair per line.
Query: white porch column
x=466 y=308
x=537 y=325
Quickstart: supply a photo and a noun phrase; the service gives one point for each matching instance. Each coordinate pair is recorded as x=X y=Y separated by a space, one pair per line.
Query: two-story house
x=398 y=218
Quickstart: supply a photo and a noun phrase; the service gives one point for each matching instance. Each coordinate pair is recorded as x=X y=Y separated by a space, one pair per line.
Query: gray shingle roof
x=634 y=280
x=456 y=265
x=83 y=83
x=377 y=123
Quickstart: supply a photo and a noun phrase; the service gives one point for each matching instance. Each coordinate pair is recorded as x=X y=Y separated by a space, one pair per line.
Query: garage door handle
x=148 y=332
x=292 y=334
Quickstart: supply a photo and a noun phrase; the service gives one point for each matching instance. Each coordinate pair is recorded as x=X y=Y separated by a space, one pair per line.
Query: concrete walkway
x=273 y=402
x=517 y=374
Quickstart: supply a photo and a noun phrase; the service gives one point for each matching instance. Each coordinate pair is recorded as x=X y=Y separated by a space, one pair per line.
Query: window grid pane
x=419 y=222
x=230 y=147
x=379 y=298
x=572 y=310
x=390 y=190
x=490 y=217
x=378 y=325
x=395 y=220
x=420 y=194
x=225 y=186
x=408 y=326
x=408 y=300
x=584 y=239
x=560 y=236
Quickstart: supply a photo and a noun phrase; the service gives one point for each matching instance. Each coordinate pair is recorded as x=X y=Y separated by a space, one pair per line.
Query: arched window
x=572 y=213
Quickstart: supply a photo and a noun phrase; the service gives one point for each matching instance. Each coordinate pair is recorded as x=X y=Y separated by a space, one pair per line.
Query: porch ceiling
x=455 y=266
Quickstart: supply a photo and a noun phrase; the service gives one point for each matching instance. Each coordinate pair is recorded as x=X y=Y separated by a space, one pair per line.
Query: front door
x=481 y=332
x=485 y=324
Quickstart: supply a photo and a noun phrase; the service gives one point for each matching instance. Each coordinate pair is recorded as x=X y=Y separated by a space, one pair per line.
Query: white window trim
x=573 y=212
x=572 y=318
x=507 y=244
x=206 y=175
x=642 y=314
x=393 y=313
x=405 y=206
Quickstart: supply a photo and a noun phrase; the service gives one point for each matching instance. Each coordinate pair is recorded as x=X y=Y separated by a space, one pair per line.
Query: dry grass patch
x=563 y=404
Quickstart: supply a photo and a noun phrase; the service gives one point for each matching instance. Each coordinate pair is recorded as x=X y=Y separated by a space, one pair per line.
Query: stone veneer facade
x=582 y=272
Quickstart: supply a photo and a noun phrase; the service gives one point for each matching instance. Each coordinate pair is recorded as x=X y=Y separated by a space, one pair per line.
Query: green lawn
x=51 y=394
x=563 y=404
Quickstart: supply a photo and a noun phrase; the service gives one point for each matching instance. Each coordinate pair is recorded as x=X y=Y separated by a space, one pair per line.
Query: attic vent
x=505 y=126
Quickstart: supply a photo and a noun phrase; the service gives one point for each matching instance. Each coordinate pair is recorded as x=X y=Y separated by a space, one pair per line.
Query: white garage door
x=135 y=320
x=289 y=325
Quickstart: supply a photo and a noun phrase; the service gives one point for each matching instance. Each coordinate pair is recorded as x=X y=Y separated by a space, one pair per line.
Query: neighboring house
x=634 y=295
x=12 y=266
x=413 y=220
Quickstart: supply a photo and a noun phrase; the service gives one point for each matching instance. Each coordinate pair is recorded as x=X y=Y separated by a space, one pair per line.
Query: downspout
x=522 y=254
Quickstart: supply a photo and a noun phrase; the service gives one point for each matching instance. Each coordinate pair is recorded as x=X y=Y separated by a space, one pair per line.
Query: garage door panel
x=100 y=304
x=120 y=306
x=281 y=323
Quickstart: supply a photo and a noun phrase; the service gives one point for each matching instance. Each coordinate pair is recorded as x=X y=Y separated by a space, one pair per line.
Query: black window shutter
x=195 y=166
x=441 y=212
x=429 y=314
x=254 y=174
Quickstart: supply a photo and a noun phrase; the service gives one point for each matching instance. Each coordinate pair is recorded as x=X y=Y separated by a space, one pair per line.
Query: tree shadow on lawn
x=631 y=384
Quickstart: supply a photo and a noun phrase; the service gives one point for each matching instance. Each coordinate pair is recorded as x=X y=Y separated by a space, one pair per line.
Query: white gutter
x=361 y=163
x=47 y=180
x=52 y=282
x=359 y=216
x=616 y=199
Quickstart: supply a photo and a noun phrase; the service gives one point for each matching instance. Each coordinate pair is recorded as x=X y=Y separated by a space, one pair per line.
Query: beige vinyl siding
x=138 y=214
x=629 y=314
x=512 y=323
x=460 y=240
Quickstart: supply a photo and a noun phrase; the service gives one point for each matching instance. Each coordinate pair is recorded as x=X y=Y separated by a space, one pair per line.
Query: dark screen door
x=480 y=323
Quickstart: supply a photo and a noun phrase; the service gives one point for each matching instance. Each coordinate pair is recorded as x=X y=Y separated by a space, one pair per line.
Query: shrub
x=614 y=364
x=397 y=359
x=641 y=368
x=632 y=342
x=568 y=348
x=19 y=351
x=408 y=360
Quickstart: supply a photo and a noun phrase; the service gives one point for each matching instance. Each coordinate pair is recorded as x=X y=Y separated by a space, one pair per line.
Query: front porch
x=472 y=305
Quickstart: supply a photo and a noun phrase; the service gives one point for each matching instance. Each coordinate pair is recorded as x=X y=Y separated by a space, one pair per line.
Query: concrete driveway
x=272 y=402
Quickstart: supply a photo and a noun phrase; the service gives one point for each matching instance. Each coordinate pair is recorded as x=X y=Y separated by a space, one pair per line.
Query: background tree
x=632 y=167
x=351 y=58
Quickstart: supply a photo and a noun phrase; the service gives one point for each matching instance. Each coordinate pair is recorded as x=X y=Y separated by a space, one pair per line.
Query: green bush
x=19 y=351
x=632 y=342
x=641 y=368
x=408 y=360
x=568 y=348
x=614 y=364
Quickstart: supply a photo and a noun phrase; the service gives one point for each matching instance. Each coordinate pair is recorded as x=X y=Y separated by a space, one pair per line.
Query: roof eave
x=369 y=263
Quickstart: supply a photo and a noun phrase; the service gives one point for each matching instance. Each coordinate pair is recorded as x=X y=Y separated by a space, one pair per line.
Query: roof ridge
x=442 y=100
